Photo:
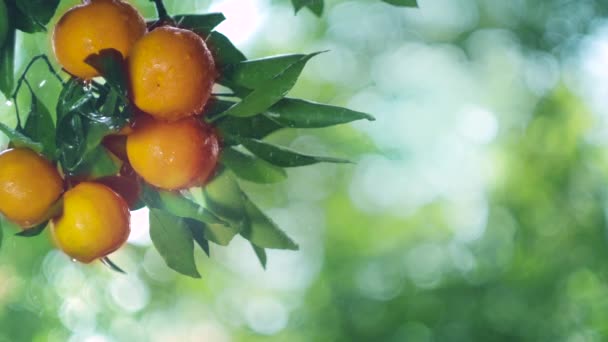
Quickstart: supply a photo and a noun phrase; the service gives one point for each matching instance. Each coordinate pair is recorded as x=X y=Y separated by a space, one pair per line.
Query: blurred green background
x=476 y=211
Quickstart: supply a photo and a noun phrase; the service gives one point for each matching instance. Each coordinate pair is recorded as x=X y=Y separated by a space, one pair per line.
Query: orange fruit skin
x=172 y=73
x=29 y=185
x=91 y=27
x=94 y=222
x=172 y=155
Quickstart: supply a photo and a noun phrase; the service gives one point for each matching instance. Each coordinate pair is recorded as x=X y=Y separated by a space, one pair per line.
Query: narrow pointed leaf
x=177 y=205
x=251 y=168
x=263 y=232
x=261 y=254
x=255 y=127
x=40 y=127
x=316 y=6
x=270 y=92
x=224 y=198
x=254 y=73
x=18 y=139
x=7 y=64
x=402 y=3
x=34 y=231
x=111 y=265
x=297 y=113
x=199 y=23
x=198 y=233
x=224 y=52
x=174 y=242
x=284 y=157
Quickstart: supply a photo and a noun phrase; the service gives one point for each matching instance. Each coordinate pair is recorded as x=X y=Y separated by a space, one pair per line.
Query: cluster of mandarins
x=171 y=74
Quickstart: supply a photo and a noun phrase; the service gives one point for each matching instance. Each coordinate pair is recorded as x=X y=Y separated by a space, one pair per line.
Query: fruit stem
x=161 y=10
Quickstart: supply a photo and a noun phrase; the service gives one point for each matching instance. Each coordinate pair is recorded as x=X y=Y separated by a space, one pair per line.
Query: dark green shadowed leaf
x=271 y=91
x=261 y=254
x=199 y=23
x=224 y=52
x=402 y=3
x=251 y=168
x=97 y=164
x=34 y=231
x=305 y=114
x=18 y=139
x=177 y=205
x=7 y=64
x=40 y=127
x=39 y=12
x=198 y=233
x=110 y=64
x=252 y=74
x=174 y=241
x=71 y=141
x=263 y=232
x=316 y=6
x=284 y=157
x=111 y=265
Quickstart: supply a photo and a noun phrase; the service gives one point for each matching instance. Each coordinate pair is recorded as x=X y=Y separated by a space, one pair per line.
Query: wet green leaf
x=199 y=23
x=111 y=65
x=284 y=157
x=97 y=164
x=40 y=127
x=174 y=241
x=263 y=232
x=251 y=168
x=71 y=142
x=254 y=73
x=306 y=114
x=316 y=6
x=271 y=91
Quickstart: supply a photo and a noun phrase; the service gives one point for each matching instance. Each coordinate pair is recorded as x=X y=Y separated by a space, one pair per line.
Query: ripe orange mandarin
x=172 y=73
x=91 y=27
x=29 y=185
x=172 y=155
x=94 y=222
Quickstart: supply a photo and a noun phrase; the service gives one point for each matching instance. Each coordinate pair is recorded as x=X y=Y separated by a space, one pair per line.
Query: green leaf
x=199 y=23
x=177 y=205
x=271 y=91
x=261 y=254
x=39 y=12
x=7 y=64
x=1 y=232
x=255 y=127
x=225 y=199
x=252 y=74
x=40 y=127
x=297 y=113
x=251 y=168
x=18 y=139
x=174 y=241
x=198 y=233
x=316 y=6
x=34 y=231
x=74 y=97
x=263 y=232
x=224 y=52
x=110 y=64
x=71 y=142
x=284 y=157
x=402 y=3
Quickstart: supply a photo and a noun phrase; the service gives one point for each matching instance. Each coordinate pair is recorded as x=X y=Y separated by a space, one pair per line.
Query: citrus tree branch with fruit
x=137 y=124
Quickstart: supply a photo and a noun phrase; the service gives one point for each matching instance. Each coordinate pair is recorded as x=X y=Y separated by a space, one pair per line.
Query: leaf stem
x=161 y=10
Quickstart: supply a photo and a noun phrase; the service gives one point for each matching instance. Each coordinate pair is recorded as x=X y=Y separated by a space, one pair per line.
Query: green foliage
x=284 y=157
x=316 y=6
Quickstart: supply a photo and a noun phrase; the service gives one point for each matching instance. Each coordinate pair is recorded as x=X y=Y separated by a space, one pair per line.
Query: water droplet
x=74 y=260
x=9 y=103
x=42 y=83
